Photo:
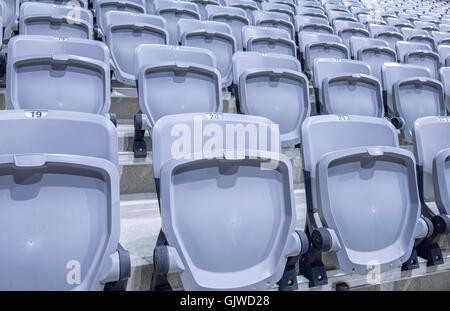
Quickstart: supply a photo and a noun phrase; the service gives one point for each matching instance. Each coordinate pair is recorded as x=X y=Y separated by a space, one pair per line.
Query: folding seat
x=247 y=5
x=320 y=45
x=416 y=96
x=274 y=19
x=281 y=8
x=338 y=15
x=201 y=4
x=360 y=10
x=309 y=4
x=103 y=6
x=430 y=19
x=441 y=37
x=335 y=7
x=268 y=40
x=444 y=53
x=418 y=54
x=11 y=20
x=307 y=10
x=374 y=52
x=60 y=202
x=348 y=161
x=273 y=86
x=173 y=80
x=338 y=82
x=172 y=12
x=386 y=15
x=411 y=17
x=370 y=19
x=216 y=37
x=346 y=30
x=45 y=72
x=418 y=35
x=124 y=32
x=444 y=76
x=431 y=147
x=194 y=240
x=291 y=3
x=59 y=21
x=388 y=33
x=236 y=18
x=313 y=24
x=79 y=3
x=400 y=23
x=429 y=27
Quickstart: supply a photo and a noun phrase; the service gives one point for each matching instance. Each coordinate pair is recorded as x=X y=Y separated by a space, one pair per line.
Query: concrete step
x=141 y=223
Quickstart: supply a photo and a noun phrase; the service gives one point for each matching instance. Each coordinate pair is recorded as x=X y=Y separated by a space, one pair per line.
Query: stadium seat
x=46 y=72
x=444 y=76
x=73 y=3
x=268 y=40
x=173 y=80
x=339 y=15
x=103 y=6
x=273 y=86
x=60 y=202
x=275 y=20
x=388 y=33
x=441 y=37
x=247 y=5
x=393 y=72
x=420 y=36
x=11 y=21
x=320 y=45
x=235 y=17
x=431 y=147
x=214 y=36
x=59 y=21
x=418 y=54
x=344 y=159
x=256 y=247
x=282 y=8
x=444 y=53
x=313 y=24
x=201 y=4
x=124 y=32
x=337 y=83
x=347 y=29
x=428 y=26
x=444 y=27
x=172 y=12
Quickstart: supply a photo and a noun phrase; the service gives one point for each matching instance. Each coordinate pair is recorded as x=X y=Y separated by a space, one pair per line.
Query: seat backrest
x=247 y=5
x=243 y=61
x=214 y=36
x=59 y=21
x=172 y=12
x=124 y=31
x=409 y=32
x=405 y=47
x=441 y=37
x=274 y=19
x=393 y=72
x=58 y=132
x=357 y=43
x=46 y=72
x=306 y=38
x=430 y=137
x=104 y=6
x=236 y=18
x=174 y=79
x=268 y=40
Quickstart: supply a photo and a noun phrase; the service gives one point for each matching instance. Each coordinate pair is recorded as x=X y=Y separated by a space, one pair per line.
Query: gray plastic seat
x=444 y=27
x=393 y=72
x=124 y=31
x=225 y=246
x=313 y=46
x=418 y=54
x=11 y=21
x=214 y=36
x=268 y=40
x=247 y=5
x=282 y=8
x=441 y=37
x=420 y=36
x=273 y=86
x=275 y=20
x=174 y=79
x=345 y=158
x=59 y=21
x=346 y=87
x=201 y=4
x=80 y=3
x=46 y=72
x=347 y=30
x=431 y=147
x=172 y=12
x=59 y=202
x=339 y=15
x=444 y=75
x=358 y=43
x=236 y=18
x=388 y=33
x=104 y=6
x=428 y=26
x=313 y=24
x=444 y=53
